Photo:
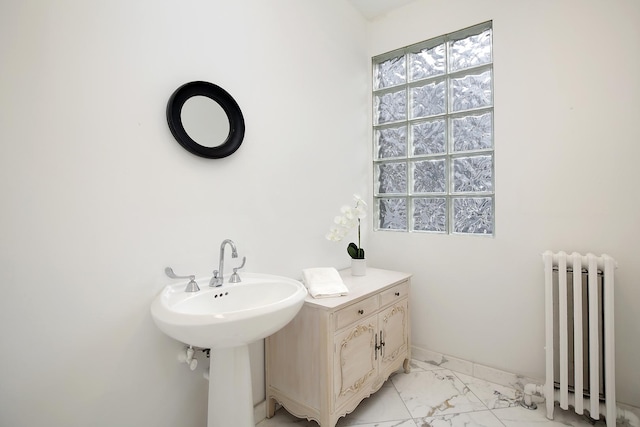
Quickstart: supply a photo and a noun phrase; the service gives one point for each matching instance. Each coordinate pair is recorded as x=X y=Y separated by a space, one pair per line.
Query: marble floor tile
x=493 y=395
x=434 y=393
x=420 y=366
x=467 y=419
x=518 y=416
x=384 y=405
x=401 y=423
x=444 y=361
x=284 y=419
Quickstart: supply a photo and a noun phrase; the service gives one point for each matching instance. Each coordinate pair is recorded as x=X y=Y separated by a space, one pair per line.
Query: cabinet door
x=394 y=324
x=355 y=364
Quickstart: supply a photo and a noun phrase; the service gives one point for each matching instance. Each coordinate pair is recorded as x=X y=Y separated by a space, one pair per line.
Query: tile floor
x=435 y=397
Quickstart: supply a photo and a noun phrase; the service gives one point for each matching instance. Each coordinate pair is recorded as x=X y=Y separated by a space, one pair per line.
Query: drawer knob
x=361 y=311
x=397 y=294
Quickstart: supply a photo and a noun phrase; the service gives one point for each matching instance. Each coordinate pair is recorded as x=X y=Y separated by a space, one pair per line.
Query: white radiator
x=579 y=337
x=600 y=332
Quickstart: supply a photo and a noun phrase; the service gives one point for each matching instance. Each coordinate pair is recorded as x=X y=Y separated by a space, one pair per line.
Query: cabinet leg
x=271 y=407
x=327 y=420
x=407 y=366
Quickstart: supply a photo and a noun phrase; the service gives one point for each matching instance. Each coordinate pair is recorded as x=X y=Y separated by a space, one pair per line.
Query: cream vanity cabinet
x=338 y=351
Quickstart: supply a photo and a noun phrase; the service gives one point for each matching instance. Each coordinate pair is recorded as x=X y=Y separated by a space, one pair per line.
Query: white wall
x=567 y=148
x=97 y=196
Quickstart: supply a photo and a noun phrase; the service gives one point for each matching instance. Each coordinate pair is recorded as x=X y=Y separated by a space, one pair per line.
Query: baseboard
x=476 y=370
x=260 y=411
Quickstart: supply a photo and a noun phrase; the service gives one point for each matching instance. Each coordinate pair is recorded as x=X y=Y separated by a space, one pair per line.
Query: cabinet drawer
x=355 y=312
x=394 y=294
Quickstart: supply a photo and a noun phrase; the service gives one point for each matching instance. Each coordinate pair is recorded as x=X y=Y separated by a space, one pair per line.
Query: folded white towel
x=324 y=282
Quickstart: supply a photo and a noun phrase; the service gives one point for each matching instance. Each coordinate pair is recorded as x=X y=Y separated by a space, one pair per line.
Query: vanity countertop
x=359 y=286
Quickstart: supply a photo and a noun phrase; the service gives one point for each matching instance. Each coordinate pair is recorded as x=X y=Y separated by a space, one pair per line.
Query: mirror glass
x=205 y=121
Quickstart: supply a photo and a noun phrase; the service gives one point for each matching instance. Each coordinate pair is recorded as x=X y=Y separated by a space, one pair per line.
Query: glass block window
x=433 y=135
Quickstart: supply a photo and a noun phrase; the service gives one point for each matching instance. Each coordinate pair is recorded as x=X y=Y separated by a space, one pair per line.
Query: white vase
x=358 y=267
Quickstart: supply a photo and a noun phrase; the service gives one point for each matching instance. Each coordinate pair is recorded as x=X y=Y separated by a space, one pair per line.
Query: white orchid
x=335 y=234
x=349 y=219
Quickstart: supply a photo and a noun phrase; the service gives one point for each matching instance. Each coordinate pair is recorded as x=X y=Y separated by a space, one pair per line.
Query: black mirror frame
x=228 y=104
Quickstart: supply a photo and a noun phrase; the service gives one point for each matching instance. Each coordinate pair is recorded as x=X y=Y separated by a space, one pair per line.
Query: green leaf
x=355 y=252
x=352 y=250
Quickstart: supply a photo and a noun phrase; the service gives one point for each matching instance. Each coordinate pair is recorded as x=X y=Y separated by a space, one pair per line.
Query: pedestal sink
x=226 y=320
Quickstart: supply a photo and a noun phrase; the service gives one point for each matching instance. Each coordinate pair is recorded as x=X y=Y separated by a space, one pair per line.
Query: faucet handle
x=235 y=277
x=244 y=259
x=192 y=286
x=169 y=272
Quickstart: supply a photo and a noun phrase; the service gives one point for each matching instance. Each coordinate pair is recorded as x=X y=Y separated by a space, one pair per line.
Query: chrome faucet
x=218 y=275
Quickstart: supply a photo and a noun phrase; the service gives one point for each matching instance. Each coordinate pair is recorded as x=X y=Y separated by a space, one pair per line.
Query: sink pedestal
x=230 y=392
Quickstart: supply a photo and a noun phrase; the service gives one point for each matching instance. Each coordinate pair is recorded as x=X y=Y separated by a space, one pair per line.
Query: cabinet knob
x=397 y=294
x=361 y=311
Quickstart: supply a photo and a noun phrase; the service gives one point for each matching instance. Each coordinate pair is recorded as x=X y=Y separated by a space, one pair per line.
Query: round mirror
x=205 y=120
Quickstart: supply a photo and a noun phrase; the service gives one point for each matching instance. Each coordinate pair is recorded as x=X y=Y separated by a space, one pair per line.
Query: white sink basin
x=232 y=315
